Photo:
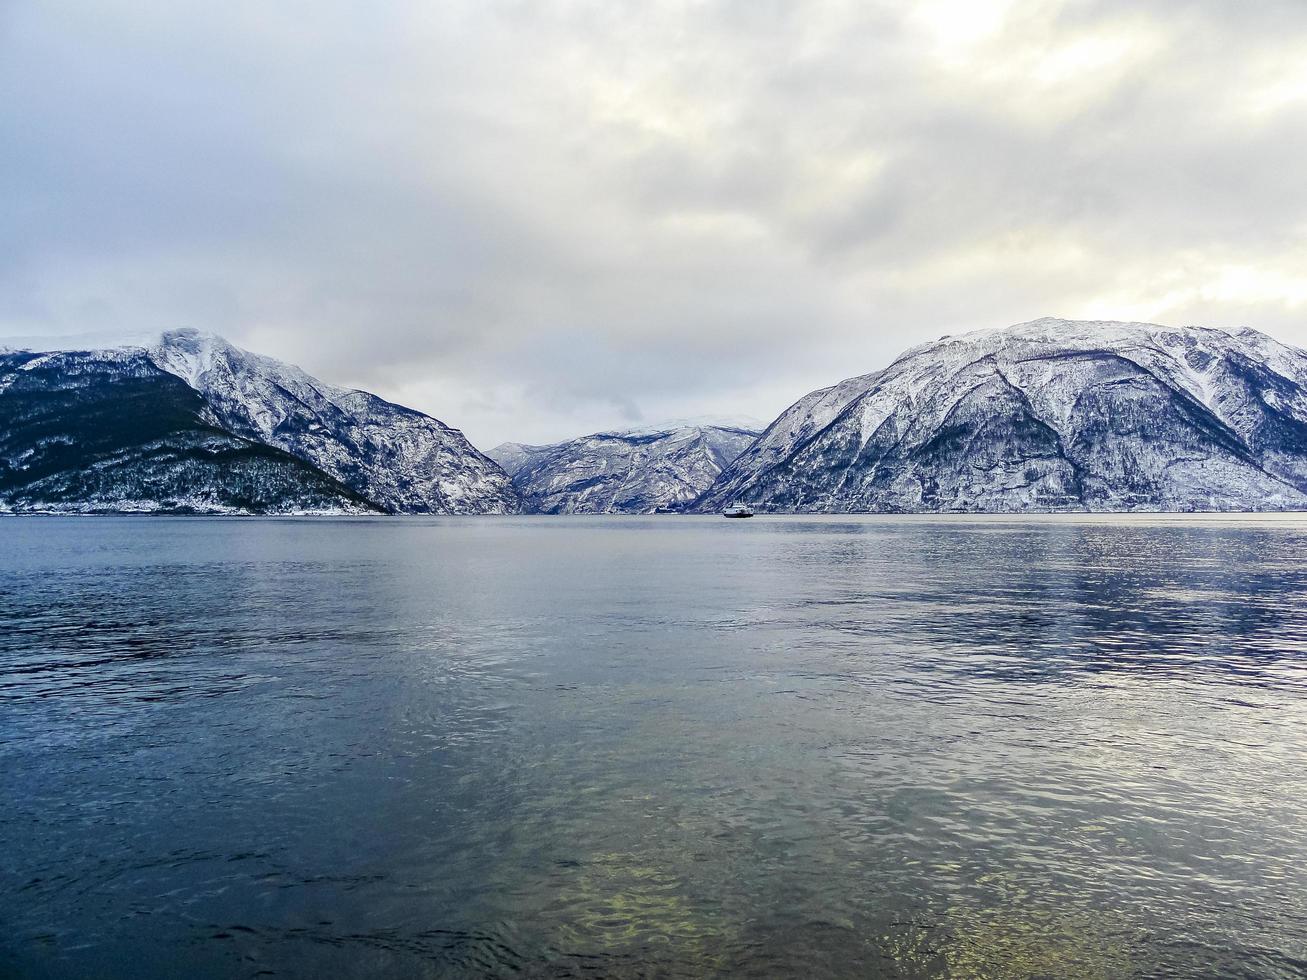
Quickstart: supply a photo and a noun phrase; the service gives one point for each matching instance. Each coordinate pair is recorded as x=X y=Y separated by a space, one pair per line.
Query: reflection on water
x=667 y=746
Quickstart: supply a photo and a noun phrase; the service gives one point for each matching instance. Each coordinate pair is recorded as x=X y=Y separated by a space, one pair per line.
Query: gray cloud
x=538 y=219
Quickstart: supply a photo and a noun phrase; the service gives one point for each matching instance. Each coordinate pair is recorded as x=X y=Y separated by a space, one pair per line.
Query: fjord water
x=653 y=746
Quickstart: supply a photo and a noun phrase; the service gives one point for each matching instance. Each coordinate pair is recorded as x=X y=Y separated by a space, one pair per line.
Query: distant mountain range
x=635 y=471
x=1052 y=415
x=193 y=424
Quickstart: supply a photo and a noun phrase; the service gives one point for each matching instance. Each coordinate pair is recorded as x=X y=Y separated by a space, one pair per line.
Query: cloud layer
x=539 y=219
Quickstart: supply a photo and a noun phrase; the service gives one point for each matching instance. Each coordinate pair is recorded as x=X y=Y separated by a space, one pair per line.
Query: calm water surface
x=653 y=747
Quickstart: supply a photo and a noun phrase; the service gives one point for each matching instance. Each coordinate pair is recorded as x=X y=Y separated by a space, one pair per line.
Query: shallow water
x=667 y=746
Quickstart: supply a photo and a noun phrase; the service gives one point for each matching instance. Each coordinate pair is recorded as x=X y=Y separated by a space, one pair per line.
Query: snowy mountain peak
x=205 y=359
x=1091 y=333
x=189 y=353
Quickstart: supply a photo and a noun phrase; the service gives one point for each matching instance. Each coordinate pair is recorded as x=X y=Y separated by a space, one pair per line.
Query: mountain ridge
x=362 y=453
x=870 y=442
x=1047 y=415
x=87 y=434
x=402 y=459
x=640 y=470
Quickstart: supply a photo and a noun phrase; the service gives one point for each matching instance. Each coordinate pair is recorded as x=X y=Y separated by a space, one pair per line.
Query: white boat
x=737 y=510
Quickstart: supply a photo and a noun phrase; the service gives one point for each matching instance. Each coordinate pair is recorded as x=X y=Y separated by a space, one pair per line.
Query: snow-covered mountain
x=633 y=471
x=315 y=447
x=1045 y=416
x=400 y=459
x=86 y=432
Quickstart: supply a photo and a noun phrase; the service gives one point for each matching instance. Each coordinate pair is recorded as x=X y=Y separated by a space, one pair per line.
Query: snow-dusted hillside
x=635 y=471
x=110 y=431
x=1045 y=416
x=400 y=459
x=241 y=433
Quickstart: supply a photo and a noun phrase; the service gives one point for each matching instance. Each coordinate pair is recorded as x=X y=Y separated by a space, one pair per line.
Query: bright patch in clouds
x=955 y=26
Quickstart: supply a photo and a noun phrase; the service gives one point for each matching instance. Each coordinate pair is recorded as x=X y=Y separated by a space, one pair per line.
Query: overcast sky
x=537 y=219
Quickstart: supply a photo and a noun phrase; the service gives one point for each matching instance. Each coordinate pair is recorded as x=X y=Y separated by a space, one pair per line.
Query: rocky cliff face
x=630 y=472
x=1052 y=415
x=195 y=424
